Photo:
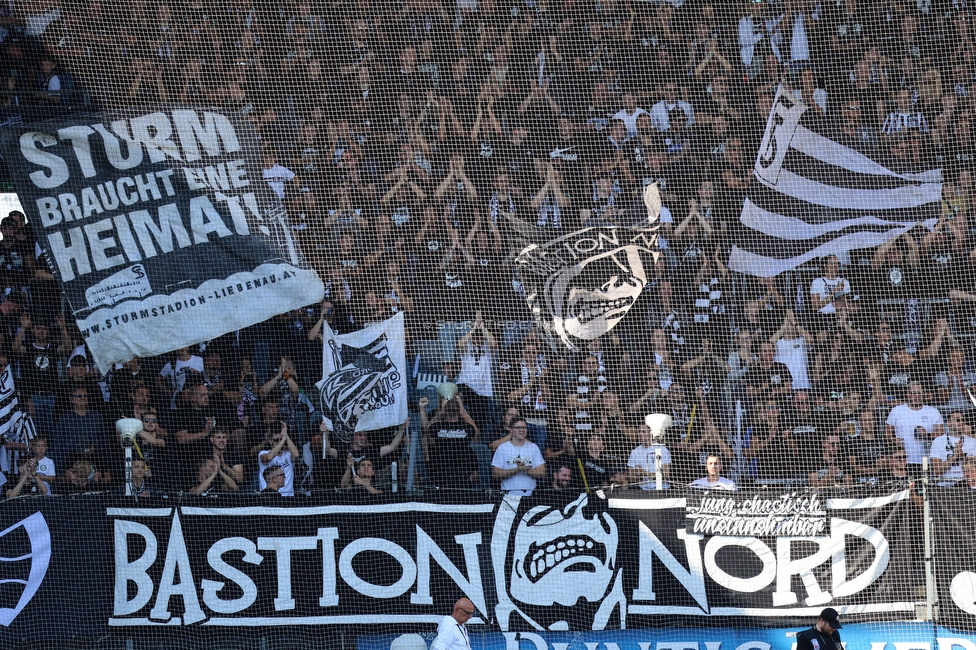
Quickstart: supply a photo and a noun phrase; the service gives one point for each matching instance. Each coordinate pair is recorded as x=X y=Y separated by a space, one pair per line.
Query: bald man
x=451 y=633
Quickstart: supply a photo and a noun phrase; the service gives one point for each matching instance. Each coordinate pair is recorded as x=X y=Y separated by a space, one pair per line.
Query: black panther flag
x=812 y=196
x=582 y=284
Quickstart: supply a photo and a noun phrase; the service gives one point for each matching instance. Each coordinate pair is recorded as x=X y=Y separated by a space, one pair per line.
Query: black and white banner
x=812 y=196
x=364 y=377
x=953 y=517
x=790 y=514
x=551 y=562
x=159 y=227
x=580 y=285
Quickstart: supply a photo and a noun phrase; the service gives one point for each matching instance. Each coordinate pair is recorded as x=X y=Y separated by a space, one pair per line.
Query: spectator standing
x=600 y=468
x=78 y=424
x=476 y=349
x=642 y=468
x=768 y=377
x=38 y=357
x=518 y=463
x=831 y=468
x=176 y=371
x=282 y=453
x=792 y=342
x=825 y=291
x=211 y=476
x=915 y=424
x=865 y=449
x=447 y=446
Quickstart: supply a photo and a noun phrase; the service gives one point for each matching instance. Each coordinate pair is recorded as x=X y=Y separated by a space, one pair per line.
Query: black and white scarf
x=539 y=404
x=493 y=207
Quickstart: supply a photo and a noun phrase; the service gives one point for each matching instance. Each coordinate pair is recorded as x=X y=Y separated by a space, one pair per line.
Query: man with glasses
x=915 y=425
x=451 y=631
x=518 y=463
x=274 y=477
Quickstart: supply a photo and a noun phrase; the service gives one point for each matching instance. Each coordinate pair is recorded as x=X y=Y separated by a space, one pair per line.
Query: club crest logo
x=786 y=115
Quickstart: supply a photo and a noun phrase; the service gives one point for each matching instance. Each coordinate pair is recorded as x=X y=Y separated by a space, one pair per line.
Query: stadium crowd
x=409 y=140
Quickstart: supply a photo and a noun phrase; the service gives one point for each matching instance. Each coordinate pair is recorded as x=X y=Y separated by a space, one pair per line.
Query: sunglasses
x=149 y=420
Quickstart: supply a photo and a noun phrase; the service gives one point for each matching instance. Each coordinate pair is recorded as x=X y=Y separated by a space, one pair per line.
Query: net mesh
x=630 y=249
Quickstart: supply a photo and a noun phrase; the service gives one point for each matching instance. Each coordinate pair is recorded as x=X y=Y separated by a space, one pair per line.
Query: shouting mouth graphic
x=587 y=300
x=587 y=306
x=561 y=557
x=543 y=559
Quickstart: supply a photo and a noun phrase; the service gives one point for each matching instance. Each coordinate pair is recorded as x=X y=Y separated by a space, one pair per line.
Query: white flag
x=812 y=196
x=364 y=378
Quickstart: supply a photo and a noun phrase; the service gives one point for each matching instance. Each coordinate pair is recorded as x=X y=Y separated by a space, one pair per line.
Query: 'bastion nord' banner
x=555 y=562
x=158 y=225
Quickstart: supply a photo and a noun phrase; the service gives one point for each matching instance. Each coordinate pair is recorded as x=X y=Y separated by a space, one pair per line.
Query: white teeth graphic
x=596 y=310
x=554 y=552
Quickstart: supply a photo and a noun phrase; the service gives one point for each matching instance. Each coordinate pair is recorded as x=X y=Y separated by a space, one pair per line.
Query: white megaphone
x=127 y=428
x=658 y=423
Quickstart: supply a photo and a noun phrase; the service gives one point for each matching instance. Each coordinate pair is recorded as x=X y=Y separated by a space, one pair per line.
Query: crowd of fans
x=409 y=141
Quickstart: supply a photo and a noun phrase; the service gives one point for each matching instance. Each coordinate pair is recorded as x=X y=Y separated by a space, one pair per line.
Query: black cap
x=831 y=616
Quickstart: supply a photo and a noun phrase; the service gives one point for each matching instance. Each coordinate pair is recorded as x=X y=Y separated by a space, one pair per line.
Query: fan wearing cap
x=823 y=635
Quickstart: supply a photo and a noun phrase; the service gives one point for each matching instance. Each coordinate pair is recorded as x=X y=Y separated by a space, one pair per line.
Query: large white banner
x=364 y=379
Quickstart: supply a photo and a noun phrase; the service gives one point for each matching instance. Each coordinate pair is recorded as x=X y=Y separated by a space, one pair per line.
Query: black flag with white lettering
x=812 y=196
x=159 y=227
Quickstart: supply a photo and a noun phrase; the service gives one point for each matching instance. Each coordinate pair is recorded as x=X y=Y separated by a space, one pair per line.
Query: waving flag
x=364 y=377
x=812 y=196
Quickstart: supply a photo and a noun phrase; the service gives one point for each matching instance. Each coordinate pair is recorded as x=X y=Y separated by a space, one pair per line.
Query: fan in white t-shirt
x=714 y=479
x=518 y=463
x=915 y=424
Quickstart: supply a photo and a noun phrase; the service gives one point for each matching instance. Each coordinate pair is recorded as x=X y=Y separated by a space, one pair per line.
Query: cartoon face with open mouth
x=588 y=299
x=562 y=556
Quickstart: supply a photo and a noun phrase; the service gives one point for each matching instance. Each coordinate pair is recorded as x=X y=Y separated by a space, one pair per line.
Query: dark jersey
x=813 y=639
